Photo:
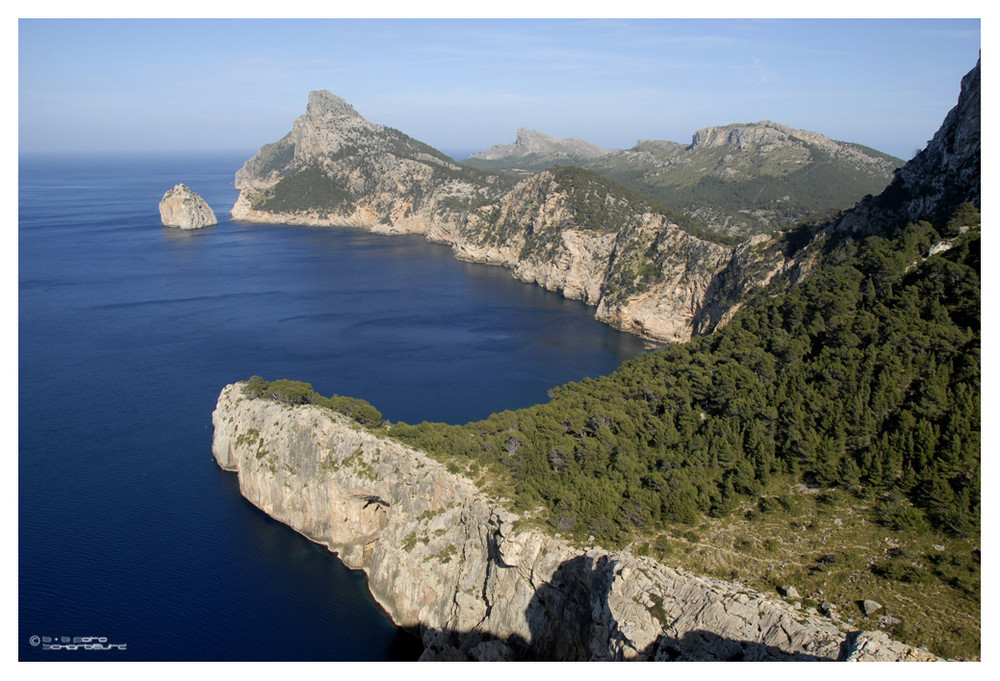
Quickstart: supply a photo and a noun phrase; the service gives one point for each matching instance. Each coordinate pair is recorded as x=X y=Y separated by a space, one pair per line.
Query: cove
x=128 y=330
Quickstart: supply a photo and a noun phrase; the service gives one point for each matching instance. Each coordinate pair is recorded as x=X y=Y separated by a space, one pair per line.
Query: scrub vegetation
x=294 y=393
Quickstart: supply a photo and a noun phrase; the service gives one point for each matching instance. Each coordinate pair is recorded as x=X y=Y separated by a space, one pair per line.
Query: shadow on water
x=405 y=647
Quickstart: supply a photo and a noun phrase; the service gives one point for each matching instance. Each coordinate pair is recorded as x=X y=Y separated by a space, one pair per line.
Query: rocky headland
x=183 y=208
x=646 y=270
x=569 y=230
x=451 y=563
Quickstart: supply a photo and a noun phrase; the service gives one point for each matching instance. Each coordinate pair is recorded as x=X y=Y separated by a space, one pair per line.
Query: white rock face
x=181 y=207
x=443 y=558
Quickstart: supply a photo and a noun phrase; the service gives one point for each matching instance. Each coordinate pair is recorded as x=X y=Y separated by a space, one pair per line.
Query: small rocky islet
x=183 y=208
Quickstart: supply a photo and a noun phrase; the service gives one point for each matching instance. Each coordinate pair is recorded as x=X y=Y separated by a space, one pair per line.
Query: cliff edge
x=445 y=559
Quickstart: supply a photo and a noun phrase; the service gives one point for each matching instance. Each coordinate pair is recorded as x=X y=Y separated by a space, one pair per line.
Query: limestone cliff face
x=443 y=558
x=533 y=230
x=645 y=274
x=661 y=279
x=181 y=207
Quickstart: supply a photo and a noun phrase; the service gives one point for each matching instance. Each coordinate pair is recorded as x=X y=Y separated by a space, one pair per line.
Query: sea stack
x=181 y=207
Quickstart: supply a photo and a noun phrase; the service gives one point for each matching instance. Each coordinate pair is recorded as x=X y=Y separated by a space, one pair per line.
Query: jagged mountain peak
x=328 y=130
x=325 y=104
x=945 y=174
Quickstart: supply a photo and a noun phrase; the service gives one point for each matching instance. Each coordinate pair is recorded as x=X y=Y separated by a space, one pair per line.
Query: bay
x=127 y=332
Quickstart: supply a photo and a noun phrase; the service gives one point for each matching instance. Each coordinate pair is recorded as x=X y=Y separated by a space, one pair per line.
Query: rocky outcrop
x=474 y=579
x=181 y=207
x=937 y=180
x=877 y=646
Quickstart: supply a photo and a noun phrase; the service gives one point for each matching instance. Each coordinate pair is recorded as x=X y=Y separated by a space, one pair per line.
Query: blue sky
x=236 y=84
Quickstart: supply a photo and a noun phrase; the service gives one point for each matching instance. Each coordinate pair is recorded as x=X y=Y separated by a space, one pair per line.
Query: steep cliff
x=945 y=174
x=444 y=558
x=574 y=232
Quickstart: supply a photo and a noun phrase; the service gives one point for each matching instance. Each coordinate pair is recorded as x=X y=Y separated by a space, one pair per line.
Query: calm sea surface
x=127 y=529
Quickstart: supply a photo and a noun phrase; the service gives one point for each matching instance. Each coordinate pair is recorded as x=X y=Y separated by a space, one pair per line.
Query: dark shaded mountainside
x=737 y=180
x=848 y=381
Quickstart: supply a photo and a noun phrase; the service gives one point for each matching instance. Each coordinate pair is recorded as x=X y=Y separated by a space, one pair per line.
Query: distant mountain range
x=739 y=179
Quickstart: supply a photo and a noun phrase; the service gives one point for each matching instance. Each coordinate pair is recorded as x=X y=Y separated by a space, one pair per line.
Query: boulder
x=789 y=592
x=869 y=606
x=181 y=207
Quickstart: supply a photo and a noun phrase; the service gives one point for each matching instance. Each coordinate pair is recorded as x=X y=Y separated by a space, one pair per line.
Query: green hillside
x=734 y=192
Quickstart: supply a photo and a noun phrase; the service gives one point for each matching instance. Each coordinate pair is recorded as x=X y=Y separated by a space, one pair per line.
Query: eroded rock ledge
x=443 y=558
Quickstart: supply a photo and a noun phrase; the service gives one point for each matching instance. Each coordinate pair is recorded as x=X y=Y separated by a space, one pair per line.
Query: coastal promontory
x=183 y=208
x=645 y=269
x=477 y=582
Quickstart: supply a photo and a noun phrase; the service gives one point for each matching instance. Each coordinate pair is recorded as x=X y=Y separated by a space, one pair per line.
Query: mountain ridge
x=763 y=163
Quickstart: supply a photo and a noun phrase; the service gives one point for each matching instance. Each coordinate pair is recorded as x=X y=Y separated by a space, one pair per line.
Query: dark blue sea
x=128 y=532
